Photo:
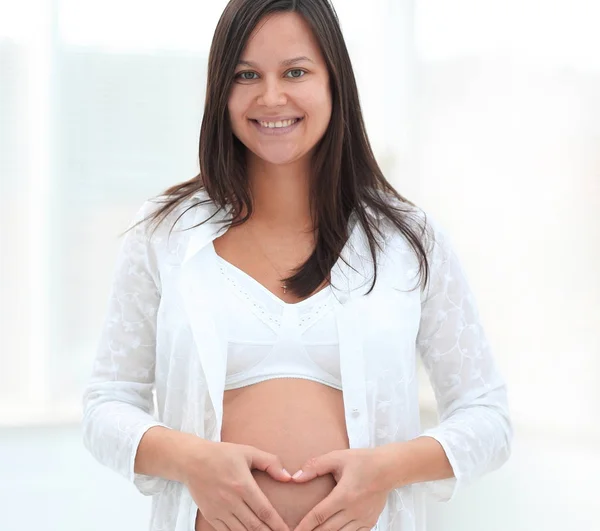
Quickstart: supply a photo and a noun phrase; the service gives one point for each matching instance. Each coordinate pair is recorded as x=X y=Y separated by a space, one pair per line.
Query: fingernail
x=297 y=474
x=286 y=473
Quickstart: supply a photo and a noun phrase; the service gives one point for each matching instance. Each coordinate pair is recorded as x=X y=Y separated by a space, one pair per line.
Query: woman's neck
x=280 y=195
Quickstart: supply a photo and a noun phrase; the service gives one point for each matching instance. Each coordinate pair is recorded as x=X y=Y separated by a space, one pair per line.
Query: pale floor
x=49 y=482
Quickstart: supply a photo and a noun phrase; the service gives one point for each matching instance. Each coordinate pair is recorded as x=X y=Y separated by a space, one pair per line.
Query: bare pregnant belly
x=295 y=419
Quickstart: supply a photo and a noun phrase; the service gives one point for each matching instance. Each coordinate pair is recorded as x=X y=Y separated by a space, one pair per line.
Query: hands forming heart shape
x=220 y=481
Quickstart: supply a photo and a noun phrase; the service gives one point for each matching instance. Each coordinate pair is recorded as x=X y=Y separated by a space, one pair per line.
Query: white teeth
x=274 y=125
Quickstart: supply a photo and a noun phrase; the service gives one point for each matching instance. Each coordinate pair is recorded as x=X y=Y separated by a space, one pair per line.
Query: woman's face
x=280 y=101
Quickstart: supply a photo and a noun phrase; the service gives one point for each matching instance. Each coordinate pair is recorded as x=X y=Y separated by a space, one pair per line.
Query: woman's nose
x=272 y=94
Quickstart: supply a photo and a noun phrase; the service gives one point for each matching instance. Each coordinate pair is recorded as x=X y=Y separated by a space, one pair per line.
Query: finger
x=354 y=525
x=219 y=525
x=269 y=463
x=235 y=524
x=248 y=518
x=259 y=503
x=339 y=521
x=302 y=475
x=317 y=466
x=318 y=515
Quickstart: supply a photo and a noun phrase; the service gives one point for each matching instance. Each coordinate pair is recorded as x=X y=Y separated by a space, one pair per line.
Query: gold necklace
x=284 y=285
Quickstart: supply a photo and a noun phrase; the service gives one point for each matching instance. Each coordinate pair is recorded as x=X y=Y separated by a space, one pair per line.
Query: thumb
x=318 y=466
x=269 y=463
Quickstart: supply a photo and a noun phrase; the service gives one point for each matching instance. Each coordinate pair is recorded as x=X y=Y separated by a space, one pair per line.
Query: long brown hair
x=345 y=176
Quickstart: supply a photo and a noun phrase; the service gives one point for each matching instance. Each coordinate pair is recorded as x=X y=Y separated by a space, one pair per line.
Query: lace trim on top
x=312 y=308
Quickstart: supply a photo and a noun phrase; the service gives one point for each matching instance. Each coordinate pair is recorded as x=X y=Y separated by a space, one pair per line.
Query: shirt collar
x=208 y=224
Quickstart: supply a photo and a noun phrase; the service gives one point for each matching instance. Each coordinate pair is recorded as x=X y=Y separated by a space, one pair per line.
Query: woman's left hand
x=359 y=496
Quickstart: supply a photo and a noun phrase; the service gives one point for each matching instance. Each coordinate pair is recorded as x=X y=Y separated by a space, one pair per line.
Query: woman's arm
x=419 y=460
x=118 y=402
x=168 y=453
x=475 y=430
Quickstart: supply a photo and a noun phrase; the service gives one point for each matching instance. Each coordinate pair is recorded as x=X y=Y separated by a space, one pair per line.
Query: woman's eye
x=299 y=73
x=242 y=75
x=251 y=76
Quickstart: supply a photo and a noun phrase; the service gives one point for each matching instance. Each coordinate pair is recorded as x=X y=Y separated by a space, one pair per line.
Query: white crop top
x=269 y=338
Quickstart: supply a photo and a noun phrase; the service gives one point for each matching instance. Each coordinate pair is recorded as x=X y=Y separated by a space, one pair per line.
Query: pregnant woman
x=266 y=316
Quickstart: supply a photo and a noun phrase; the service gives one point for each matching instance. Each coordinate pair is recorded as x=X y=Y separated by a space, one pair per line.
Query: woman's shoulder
x=412 y=215
x=166 y=217
x=179 y=207
x=420 y=220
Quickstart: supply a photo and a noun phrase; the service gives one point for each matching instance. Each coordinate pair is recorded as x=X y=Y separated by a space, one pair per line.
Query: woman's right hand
x=221 y=483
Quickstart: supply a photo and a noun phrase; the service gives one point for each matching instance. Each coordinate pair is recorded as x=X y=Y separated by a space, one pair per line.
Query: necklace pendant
x=284 y=286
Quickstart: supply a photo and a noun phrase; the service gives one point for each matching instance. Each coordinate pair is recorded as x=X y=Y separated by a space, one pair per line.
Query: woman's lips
x=276 y=131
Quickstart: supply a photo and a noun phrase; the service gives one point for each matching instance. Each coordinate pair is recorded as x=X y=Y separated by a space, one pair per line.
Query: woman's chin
x=279 y=158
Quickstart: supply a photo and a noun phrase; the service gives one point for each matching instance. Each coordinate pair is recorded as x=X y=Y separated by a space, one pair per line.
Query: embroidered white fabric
x=148 y=343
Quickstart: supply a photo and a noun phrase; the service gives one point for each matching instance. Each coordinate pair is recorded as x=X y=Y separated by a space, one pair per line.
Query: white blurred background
x=487 y=114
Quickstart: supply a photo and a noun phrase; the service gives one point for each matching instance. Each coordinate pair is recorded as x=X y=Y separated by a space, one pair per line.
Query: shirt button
x=355 y=411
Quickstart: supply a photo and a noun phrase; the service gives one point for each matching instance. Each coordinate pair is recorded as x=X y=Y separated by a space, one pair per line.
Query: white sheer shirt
x=162 y=336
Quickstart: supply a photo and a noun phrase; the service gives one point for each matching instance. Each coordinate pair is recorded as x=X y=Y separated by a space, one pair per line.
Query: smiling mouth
x=279 y=124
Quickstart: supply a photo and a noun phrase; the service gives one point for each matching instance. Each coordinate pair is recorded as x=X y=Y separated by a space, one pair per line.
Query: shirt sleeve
x=474 y=428
x=118 y=405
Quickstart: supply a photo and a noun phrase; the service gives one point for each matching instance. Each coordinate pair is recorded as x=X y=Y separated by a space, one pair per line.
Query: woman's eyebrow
x=285 y=62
